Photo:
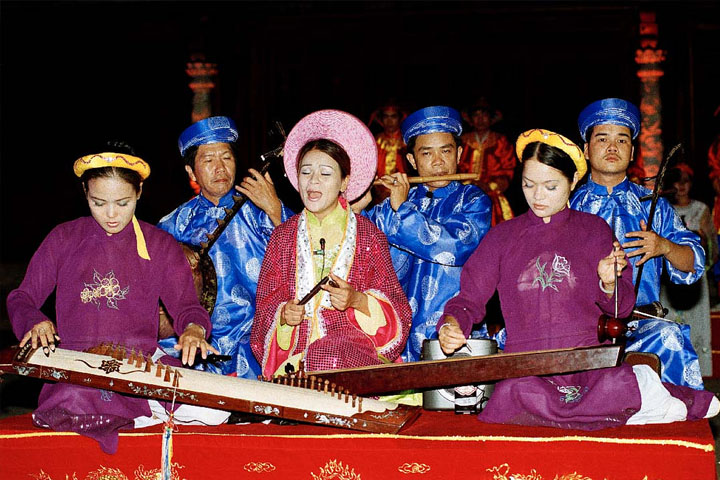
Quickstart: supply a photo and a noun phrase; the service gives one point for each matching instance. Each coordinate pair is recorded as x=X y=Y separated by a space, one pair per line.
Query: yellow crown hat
x=110 y=159
x=120 y=160
x=554 y=140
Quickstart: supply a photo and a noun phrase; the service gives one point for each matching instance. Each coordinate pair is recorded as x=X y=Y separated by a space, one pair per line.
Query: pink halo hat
x=347 y=131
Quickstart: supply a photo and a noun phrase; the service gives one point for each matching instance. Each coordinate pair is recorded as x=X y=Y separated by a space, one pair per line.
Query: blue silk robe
x=670 y=341
x=237 y=256
x=431 y=236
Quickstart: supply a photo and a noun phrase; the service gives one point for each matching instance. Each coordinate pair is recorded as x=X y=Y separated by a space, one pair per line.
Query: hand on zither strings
x=42 y=334
x=260 y=190
x=606 y=266
x=343 y=295
x=451 y=335
x=292 y=313
x=192 y=340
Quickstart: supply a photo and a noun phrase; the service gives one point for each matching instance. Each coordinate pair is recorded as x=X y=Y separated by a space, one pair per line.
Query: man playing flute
x=432 y=228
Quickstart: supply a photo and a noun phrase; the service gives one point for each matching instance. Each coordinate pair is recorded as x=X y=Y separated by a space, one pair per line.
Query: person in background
x=390 y=144
x=490 y=155
x=690 y=304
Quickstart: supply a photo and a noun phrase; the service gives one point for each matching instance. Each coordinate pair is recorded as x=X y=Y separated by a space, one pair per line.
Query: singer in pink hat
x=328 y=295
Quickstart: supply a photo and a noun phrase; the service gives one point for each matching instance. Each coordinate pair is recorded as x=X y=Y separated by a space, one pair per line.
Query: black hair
x=130 y=176
x=671 y=177
x=191 y=153
x=120 y=146
x=411 y=143
x=552 y=157
x=332 y=149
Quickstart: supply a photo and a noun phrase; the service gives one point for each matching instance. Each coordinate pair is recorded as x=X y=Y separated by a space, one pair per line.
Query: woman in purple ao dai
x=554 y=270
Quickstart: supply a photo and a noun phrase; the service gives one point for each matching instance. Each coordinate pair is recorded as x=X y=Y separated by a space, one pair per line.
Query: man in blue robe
x=434 y=227
x=208 y=149
x=608 y=128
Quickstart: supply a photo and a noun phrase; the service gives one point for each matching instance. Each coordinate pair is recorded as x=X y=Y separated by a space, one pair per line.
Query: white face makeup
x=320 y=182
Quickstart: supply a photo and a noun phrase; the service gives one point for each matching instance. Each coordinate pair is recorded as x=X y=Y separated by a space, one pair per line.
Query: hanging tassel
x=167 y=449
x=167 y=446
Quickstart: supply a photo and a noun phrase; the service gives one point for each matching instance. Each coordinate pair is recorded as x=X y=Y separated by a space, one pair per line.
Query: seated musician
x=108 y=270
x=432 y=228
x=364 y=318
x=555 y=271
x=208 y=148
x=608 y=127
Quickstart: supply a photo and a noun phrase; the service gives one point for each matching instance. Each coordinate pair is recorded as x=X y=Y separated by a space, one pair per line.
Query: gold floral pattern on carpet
x=336 y=471
x=259 y=467
x=104 y=473
x=414 y=468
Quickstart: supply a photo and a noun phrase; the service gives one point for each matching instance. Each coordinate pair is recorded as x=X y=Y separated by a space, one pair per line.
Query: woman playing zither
x=555 y=271
x=109 y=271
x=364 y=318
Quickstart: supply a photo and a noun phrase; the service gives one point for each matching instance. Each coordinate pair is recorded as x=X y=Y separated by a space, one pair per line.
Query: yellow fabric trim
x=376 y=320
x=284 y=336
x=554 y=140
x=140 y=240
x=482 y=438
x=507 y=212
x=293 y=360
x=110 y=159
x=332 y=229
x=409 y=398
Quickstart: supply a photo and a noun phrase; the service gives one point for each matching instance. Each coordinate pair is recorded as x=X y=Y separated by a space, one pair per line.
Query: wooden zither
x=112 y=367
x=452 y=372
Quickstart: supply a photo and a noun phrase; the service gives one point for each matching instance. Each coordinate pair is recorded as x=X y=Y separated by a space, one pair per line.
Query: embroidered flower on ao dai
x=559 y=269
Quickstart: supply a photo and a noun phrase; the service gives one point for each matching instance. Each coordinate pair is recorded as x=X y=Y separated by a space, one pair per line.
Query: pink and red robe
x=327 y=338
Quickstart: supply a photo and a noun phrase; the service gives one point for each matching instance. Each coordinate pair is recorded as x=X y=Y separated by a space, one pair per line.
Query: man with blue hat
x=208 y=149
x=434 y=227
x=608 y=128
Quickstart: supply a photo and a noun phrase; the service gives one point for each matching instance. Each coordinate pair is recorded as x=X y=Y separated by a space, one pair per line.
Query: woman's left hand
x=192 y=339
x=344 y=295
x=606 y=266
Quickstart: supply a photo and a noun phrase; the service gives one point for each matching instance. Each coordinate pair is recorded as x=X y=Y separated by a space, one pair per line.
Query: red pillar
x=649 y=59
x=201 y=83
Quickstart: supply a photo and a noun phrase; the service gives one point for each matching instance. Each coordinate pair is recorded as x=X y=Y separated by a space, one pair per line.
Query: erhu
x=612 y=328
x=198 y=256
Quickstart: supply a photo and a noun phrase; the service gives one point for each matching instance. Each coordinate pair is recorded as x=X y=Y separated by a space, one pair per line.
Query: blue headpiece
x=432 y=120
x=209 y=130
x=614 y=111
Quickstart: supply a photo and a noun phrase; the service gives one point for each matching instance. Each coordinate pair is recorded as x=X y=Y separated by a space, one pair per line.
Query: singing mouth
x=313 y=195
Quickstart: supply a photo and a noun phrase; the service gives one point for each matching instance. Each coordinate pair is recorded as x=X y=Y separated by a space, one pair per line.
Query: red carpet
x=439 y=445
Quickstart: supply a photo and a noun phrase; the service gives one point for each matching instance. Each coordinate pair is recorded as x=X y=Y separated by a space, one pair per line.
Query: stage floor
x=439 y=445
